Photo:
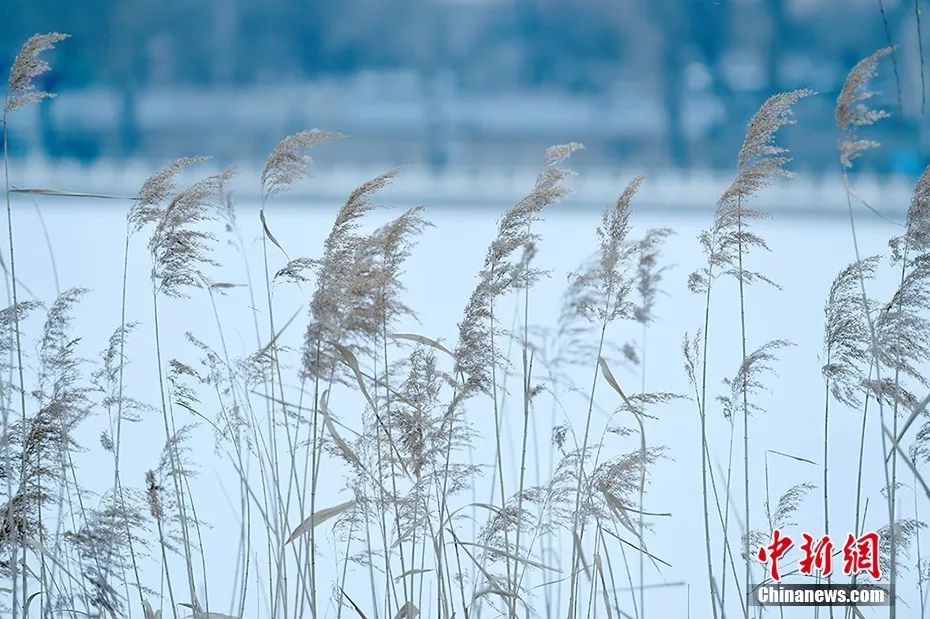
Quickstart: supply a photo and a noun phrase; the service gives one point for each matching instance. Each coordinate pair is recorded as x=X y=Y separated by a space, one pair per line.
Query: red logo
x=817 y=556
x=860 y=555
x=775 y=551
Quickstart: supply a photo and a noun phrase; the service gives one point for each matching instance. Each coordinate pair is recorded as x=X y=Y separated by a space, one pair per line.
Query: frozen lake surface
x=807 y=252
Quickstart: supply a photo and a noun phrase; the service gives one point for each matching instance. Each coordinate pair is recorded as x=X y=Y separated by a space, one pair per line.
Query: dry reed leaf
x=620 y=511
x=421 y=339
x=354 y=605
x=580 y=551
x=280 y=331
x=29 y=603
x=798 y=458
x=908 y=461
x=200 y=614
x=148 y=612
x=412 y=572
x=319 y=518
x=600 y=572
x=910 y=420
x=508 y=555
x=644 y=513
x=59 y=193
x=489 y=590
x=352 y=362
x=407 y=611
x=609 y=377
x=344 y=448
x=271 y=237
x=637 y=548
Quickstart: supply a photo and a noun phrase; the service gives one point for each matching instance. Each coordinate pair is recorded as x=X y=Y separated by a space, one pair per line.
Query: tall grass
x=358 y=453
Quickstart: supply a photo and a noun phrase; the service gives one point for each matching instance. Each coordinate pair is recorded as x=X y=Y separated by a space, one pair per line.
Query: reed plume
x=28 y=65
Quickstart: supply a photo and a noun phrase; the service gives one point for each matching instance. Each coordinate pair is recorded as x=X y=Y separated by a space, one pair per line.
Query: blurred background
x=653 y=84
x=468 y=94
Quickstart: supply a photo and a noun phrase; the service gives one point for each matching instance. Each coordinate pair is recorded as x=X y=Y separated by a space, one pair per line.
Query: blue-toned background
x=468 y=94
x=484 y=83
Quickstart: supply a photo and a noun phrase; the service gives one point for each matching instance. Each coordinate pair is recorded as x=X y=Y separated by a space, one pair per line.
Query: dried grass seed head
x=852 y=111
x=341 y=306
x=847 y=337
x=180 y=246
x=771 y=116
x=290 y=161
x=28 y=65
x=648 y=272
x=601 y=288
x=748 y=378
x=759 y=163
x=503 y=272
x=514 y=230
x=155 y=192
x=916 y=239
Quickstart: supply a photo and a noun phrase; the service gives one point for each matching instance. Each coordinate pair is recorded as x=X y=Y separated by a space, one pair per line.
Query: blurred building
x=464 y=82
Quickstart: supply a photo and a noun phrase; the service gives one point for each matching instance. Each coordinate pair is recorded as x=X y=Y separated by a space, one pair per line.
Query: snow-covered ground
x=87 y=239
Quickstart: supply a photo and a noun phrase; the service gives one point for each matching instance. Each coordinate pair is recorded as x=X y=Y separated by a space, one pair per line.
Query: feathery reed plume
x=61 y=396
x=646 y=281
x=348 y=279
x=289 y=161
x=156 y=190
x=895 y=544
x=392 y=244
x=343 y=288
x=852 y=111
x=180 y=249
x=649 y=273
x=846 y=333
x=748 y=378
x=917 y=235
x=105 y=378
x=104 y=542
x=504 y=271
x=603 y=289
x=501 y=273
x=847 y=350
x=45 y=439
x=902 y=332
x=153 y=495
x=21 y=89
x=17 y=503
x=788 y=505
x=759 y=162
x=601 y=293
x=783 y=513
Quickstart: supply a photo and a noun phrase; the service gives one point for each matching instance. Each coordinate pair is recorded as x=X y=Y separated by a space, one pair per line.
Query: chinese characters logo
x=860 y=555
